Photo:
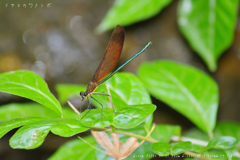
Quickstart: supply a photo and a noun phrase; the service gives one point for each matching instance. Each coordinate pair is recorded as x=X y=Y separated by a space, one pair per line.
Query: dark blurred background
x=58 y=42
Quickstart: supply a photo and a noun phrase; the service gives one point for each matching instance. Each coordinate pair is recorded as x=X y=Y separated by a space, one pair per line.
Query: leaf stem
x=151 y=140
x=194 y=141
x=210 y=134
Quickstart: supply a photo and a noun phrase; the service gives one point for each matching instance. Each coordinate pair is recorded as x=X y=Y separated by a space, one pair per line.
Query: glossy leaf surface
x=224 y=142
x=15 y=123
x=127 y=117
x=185 y=89
x=161 y=149
x=131 y=116
x=24 y=110
x=29 y=137
x=208 y=26
x=180 y=147
x=163 y=133
x=29 y=85
x=67 y=127
x=97 y=118
x=126 y=12
x=32 y=135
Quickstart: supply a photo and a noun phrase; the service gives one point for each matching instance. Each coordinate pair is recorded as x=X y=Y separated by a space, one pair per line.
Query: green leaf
x=127 y=117
x=67 y=127
x=230 y=152
x=76 y=149
x=179 y=148
x=69 y=113
x=224 y=142
x=29 y=85
x=20 y=110
x=210 y=32
x=126 y=12
x=66 y=91
x=222 y=129
x=125 y=89
x=131 y=116
x=163 y=133
x=148 y=122
x=30 y=136
x=24 y=110
x=228 y=129
x=161 y=149
x=97 y=118
x=15 y=123
x=195 y=133
x=195 y=148
x=185 y=89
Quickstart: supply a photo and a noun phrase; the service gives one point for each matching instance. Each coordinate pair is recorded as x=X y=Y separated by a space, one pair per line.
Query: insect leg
x=100 y=104
x=88 y=108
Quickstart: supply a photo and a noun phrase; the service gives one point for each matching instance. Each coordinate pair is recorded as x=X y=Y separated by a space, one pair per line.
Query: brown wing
x=111 y=55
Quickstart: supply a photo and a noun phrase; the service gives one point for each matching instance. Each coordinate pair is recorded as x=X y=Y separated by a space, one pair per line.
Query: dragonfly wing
x=111 y=55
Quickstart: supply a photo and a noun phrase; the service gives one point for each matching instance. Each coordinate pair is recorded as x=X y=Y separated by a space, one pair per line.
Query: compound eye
x=82 y=94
